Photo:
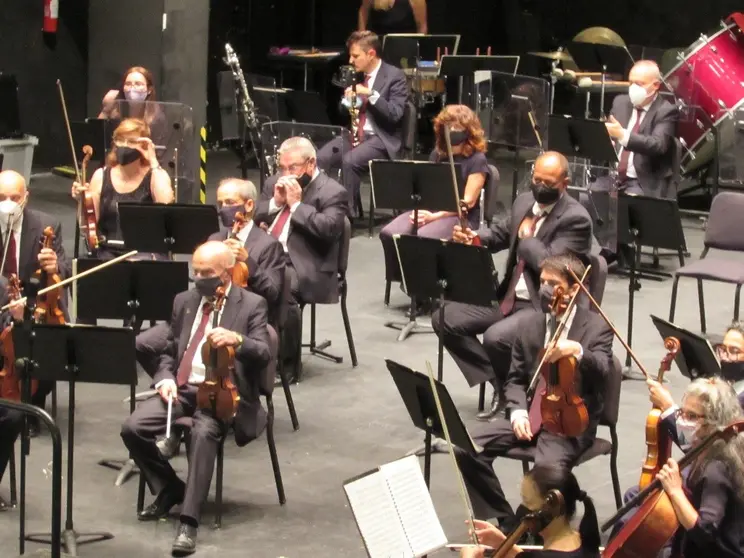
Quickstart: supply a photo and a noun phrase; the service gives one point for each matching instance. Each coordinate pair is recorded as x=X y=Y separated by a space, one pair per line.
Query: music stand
x=134 y=292
x=581 y=137
x=696 y=359
x=405 y=50
x=175 y=228
x=433 y=268
x=74 y=354
x=606 y=59
x=418 y=397
x=462 y=66
x=417 y=185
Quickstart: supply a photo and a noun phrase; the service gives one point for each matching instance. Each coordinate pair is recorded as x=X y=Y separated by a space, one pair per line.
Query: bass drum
x=708 y=78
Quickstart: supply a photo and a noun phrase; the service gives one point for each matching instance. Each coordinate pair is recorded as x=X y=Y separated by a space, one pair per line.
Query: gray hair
x=651 y=67
x=298 y=143
x=246 y=189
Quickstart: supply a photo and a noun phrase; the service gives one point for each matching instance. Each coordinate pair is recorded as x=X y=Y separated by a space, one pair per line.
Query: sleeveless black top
x=108 y=209
x=398 y=19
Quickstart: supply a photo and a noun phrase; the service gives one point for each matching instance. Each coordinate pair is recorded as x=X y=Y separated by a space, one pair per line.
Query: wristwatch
x=240 y=339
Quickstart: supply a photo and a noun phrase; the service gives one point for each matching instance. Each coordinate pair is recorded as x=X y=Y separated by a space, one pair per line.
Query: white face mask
x=135 y=95
x=686 y=430
x=637 y=94
x=9 y=208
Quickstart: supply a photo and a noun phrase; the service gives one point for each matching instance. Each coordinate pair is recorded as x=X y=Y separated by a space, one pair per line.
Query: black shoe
x=185 y=543
x=497 y=410
x=33 y=427
x=169 y=447
x=167 y=498
x=4 y=506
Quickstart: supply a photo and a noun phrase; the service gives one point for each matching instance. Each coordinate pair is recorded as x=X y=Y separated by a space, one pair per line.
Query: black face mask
x=732 y=371
x=207 y=286
x=126 y=155
x=546 y=296
x=458 y=137
x=303 y=180
x=228 y=212
x=544 y=194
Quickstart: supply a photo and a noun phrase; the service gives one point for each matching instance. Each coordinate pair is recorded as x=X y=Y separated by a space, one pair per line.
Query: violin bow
x=69 y=131
x=451 y=159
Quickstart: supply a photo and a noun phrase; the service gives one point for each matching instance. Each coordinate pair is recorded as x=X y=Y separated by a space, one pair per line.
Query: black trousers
x=497 y=438
x=149 y=421
x=11 y=424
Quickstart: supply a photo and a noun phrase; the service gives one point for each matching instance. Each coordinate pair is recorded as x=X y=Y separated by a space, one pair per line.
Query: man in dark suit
x=545 y=222
x=25 y=255
x=381 y=100
x=243 y=326
x=586 y=338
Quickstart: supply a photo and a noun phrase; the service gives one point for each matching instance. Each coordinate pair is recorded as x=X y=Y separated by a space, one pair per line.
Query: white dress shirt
x=245 y=231
x=16 y=232
x=623 y=141
x=521 y=291
x=278 y=208
x=373 y=97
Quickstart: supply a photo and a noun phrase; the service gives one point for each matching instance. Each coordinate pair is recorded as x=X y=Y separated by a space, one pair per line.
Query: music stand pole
x=633 y=286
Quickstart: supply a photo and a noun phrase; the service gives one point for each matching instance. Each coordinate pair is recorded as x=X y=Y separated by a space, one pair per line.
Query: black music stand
x=447 y=271
x=417 y=185
x=134 y=292
x=581 y=137
x=73 y=354
x=406 y=50
x=175 y=228
x=418 y=397
x=465 y=66
x=696 y=359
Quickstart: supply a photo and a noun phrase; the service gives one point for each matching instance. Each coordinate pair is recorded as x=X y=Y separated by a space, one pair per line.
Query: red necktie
x=184 y=369
x=11 y=263
x=363 y=110
x=281 y=221
x=622 y=168
x=507 y=304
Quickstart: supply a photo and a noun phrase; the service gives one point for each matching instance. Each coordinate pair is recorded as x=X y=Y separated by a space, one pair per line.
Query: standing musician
x=137 y=86
x=25 y=254
x=304 y=209
x=559 y=537
x=132 y=174
x=392 y=16
x=243 y=326
x=542 y=223
x=383 y=96
x=468 y=149
x=586 y=338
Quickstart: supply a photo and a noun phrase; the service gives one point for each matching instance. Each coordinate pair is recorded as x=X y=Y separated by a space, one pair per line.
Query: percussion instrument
x=561 y=56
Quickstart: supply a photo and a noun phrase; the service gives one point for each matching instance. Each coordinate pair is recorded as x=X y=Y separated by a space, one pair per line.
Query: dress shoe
x=167 y=498
x=33 y=427
x=497 y=409
x=169 y=447
x=185 y=543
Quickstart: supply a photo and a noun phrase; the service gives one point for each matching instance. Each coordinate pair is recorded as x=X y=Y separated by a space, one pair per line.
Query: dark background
x=509 y=26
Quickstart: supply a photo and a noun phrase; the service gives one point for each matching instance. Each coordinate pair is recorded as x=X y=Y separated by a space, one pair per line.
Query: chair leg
x=481 y=397
x=701 y=302
x=681 y=254
x=347 y=326
x=54 y=401
x=737 y=300
x=141 y=494
x=13 y=484
x=218 y=488
x=613 y=469
x=387 y=292
x=272 y=451
x=371 y=223
x=673 y=303
x=287 y=393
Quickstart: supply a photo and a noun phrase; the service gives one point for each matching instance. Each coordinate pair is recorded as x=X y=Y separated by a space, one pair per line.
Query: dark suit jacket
x=595 y=337
x=314 y=237
x=386 y=115
x=266 y=262
x=568 y=227
x=246 y=314
x=654 y=145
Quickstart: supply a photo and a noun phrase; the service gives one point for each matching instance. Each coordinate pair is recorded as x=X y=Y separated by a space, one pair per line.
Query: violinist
x=587 y=339
x=243 y=326
x=132 y=174
x=23 y=229
x=542 y=223
x=560 y=539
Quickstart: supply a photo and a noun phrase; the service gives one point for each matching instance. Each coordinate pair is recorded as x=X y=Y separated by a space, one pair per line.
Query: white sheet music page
x=377 y=518
x=414 y=505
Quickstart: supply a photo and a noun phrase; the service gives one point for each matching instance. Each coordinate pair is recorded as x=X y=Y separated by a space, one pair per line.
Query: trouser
x=11 y=424
x=149 y=345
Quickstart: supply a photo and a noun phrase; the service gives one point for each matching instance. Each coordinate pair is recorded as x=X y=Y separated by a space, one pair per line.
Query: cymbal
x=600 y=36
x=555 y=55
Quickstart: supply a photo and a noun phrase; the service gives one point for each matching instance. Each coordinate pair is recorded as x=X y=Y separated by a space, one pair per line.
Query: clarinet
x=248 y=107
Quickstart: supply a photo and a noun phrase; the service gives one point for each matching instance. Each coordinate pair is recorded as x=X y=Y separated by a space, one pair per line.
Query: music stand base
x=71 y=539
x=643 y=273
x=319 y=350
x=126 y=468
x=409 y=328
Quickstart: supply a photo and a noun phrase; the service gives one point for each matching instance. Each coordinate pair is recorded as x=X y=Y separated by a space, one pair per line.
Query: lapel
x=252 y=238
x=578 y=326
x=650 y=115
x=311 y=192
x=190 y=310
x=230 y=310
x=553 y=216
x=519 y=214
x=30 y=235
x=380 y=78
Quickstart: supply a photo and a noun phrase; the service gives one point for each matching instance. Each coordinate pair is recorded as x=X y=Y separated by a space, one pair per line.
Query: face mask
x=136 y=95
x=458 y=137
x=731 y=371
x=546 y=296
x=126 y=155
x=637 y=94
x=227 y=214
x=543 y=194
x=9 y=208
x=686 y=433
x=207 y=286
x=303 y=180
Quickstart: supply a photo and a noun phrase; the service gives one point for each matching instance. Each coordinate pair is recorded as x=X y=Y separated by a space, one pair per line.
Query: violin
x=10 y=383
x=655 y=521
x=534 y=522
x=240 y=271
x=658 y=441
x=86 y=207
x=48 y=309
x=218 y=392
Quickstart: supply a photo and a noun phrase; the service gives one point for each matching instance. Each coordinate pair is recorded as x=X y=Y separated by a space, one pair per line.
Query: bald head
x=550 y=177
x=645 y=74
x=213 y=259
x=12 y=186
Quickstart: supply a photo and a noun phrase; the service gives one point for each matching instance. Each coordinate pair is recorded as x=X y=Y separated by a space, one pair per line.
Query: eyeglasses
x=135 y=85
x=689 y=415
x=293 y=168
x=728 y=351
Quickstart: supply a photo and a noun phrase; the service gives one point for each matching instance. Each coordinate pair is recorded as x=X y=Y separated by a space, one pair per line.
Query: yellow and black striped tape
x=203 y=166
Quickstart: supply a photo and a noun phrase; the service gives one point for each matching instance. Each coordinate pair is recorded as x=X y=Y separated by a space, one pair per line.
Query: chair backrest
x=611 y=408
x=597 y=277
x=268 y=375
x=284 y=300
x=408 y=127
x=725 y=224
x=673 y=186
x=488 y=196
x=343 y=251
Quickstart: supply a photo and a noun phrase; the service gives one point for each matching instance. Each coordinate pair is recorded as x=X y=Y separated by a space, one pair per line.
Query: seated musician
x=383 y=96
x=132 y=174
x=586 y=338
x=304 y=209
x=542 y=223
x=707 y=496
x=243 y=326
x=468 y=149
x=560 y=539
x=137 y=86
x=25 y=254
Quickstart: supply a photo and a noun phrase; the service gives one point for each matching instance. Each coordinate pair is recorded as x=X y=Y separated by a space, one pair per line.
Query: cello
x=217 y=392
x=658 y=442
x=48 y=310
x=10 y=383
x=240 y=270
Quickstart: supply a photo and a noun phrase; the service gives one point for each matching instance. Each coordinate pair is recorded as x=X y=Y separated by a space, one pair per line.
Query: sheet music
x=377 y=517
x=414 y=505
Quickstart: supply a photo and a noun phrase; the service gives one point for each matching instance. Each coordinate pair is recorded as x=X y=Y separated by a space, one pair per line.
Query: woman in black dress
x=560 y=538
x=393 y=16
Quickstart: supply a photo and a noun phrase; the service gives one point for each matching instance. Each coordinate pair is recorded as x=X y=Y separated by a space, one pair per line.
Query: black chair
x=266 y=387
x=725 y=232
x=281 y=324
x=489 y=204
x=600 y=446
x=319 y=349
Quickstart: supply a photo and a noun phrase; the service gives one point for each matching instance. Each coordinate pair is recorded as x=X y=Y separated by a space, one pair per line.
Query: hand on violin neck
x=237 y=249
x=48 y=260
x=221 y=337
x=659 y=395
x=463 y=236
x=78 y=189
x=17 y=309
x=564 y=348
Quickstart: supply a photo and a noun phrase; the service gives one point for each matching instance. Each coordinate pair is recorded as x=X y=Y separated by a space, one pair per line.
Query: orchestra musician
x=542 y=223
x=731 y=355
x=243 y=326
x=131 y=174
x=25 y=254
x=382 y=95
x=304 y=209
x=392 y=16
x=588 y=339
x=560 y=539
x=137 y=86
x=468 y=150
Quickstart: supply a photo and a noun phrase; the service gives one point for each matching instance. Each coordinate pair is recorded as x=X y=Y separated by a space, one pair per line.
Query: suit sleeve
x=517 y=380
x=576 y=237
x=596 y=362
x=326 y=224
x=167 y=363
x=263 y=213
x=497 y=236
x=254 y=351
x=391 y=109
x=266 y=275
x=659 y=141
x=64 y=265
